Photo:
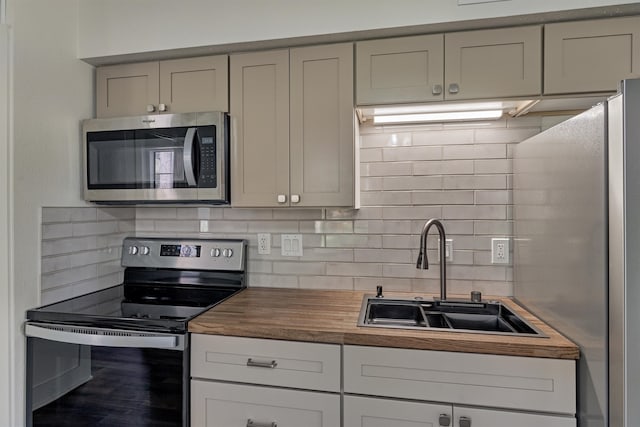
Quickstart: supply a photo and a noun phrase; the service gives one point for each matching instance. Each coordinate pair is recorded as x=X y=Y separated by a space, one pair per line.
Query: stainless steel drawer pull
x=251 y=423
x=261 y=364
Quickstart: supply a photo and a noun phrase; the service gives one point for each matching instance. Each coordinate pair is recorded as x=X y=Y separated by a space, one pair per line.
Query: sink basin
x=490 y=317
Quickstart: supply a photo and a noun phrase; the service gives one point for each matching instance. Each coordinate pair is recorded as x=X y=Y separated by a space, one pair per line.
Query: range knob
x=227 y=253
x=133 y=250
x=215 y=252
x=144 y=250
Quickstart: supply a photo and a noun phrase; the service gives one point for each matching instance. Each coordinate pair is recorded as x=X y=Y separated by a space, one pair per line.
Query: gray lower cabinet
x=591 y=56
x=376 y=412
x=174 y=86
x=235 y=405
x=293 y=127
x=389 y=383
x=250 y=382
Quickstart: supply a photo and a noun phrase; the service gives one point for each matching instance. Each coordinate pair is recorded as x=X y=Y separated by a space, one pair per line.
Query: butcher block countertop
x=331 y=316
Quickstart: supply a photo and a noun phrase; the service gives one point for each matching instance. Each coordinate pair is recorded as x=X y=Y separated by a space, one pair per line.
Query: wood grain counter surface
x=331 y=316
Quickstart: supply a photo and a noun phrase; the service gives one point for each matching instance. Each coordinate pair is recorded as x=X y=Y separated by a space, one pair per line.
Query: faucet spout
x=423 y=261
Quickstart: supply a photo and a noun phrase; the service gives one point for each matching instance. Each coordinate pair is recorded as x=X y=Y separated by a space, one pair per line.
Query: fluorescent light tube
x=438 y=117
x=437 y=108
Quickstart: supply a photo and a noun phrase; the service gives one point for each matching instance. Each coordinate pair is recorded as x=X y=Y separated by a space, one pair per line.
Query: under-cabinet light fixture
x=439 y=112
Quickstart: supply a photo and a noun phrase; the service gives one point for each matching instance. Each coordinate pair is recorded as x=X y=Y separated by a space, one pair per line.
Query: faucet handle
x=379 y=292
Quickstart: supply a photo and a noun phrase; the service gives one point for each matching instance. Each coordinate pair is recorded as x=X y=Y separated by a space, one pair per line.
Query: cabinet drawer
x=492 y=418
x=524 y=383
x=231 y=405
x=268 y=362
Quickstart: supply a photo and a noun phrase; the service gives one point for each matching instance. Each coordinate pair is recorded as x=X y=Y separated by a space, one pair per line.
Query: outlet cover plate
x=291 y=245
x=264 y=243
x=500 y=250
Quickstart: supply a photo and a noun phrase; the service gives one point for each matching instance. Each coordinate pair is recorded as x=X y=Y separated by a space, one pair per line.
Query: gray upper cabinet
x=322 y=126
x=505 y=62
x=591 y=56
x=293 y=127
x=406 y=69
x=174 y=86
x=260 y=128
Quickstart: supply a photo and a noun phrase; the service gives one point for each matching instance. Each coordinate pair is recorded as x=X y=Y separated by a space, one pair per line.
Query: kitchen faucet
x=423 y=262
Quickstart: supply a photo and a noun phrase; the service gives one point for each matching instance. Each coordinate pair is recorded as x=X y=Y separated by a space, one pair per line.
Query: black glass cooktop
x=151 y=305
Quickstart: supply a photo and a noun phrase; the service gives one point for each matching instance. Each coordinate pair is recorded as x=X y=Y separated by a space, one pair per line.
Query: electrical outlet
x=500 y=250
x=291 y=245
x=204 y=226
x=264 y=243
x=448 y=248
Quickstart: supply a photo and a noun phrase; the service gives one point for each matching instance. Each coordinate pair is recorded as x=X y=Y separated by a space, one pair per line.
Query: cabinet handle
x=259 y=364
x=162 y=107
x=282 y=198
x=295 y=198
x=151 y=108
x=444 y=420
x=454 y=88
x=436 y=89
x=465 y=422
x=251 y=423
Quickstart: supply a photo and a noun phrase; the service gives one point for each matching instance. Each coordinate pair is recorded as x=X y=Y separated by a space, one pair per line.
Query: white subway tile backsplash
x=382 y=255
x=56 y=231
x=412 y=183
x=483 y=151
x=299 y=268
x=474 y=182
x=387 y=169
x=443 y=167
x=397 y=154
x=459 y=172
x=448 y=197
x=444 y=137
x=387 y=139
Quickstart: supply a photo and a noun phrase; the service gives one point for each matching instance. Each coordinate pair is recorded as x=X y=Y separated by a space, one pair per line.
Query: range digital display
x=183 y=251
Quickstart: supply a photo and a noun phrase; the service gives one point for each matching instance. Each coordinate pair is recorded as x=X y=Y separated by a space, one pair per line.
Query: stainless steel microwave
x=166 y=158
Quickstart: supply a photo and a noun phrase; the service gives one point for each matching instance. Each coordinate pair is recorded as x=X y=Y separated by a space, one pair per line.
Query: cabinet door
x=406 y=69
x=195 y=84
x=260 y=128
x=493 y=63
x=322 y=126
x=126 y=90
x=493 y=418
x=370 y=412
x=231 y=405
x=591 y=56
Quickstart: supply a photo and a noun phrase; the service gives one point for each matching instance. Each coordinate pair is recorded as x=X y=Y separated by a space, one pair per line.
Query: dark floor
x=119 y=394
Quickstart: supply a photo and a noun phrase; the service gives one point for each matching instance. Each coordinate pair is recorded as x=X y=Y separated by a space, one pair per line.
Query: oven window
x=78 y=385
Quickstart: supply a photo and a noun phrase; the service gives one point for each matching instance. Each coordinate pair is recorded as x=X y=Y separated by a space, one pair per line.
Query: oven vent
x=93 y=331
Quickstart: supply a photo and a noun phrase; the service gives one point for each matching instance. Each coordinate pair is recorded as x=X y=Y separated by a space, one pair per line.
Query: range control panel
x=193 y=254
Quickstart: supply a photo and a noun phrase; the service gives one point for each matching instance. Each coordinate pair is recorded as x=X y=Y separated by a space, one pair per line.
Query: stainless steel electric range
x=120 y=356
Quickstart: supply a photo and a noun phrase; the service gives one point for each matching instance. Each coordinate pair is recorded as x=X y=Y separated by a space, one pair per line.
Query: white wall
x=5 y=196
x=53 y=91
x=125 y=27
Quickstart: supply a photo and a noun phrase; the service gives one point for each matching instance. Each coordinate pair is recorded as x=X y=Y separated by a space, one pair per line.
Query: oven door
x=82 y=376
x=156 y=158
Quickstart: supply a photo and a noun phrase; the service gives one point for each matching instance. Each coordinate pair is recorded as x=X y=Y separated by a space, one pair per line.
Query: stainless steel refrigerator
x=576 y=216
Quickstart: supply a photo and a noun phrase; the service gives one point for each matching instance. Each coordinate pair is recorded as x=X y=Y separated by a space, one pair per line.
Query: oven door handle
x=187 y=157
x=102 y=337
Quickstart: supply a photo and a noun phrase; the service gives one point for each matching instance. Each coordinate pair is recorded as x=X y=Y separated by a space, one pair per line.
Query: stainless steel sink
x=488 y=317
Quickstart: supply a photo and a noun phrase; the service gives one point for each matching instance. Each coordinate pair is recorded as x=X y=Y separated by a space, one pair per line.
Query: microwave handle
x=187 y=157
